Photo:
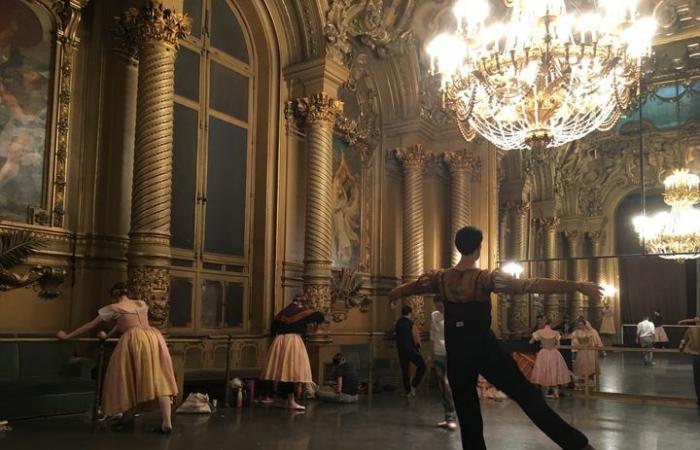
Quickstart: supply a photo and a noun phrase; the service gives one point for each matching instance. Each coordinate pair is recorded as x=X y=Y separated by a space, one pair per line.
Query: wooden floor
x=386 y=422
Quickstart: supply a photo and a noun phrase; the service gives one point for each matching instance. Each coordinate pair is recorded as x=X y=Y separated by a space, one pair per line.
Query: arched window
x=214 y=82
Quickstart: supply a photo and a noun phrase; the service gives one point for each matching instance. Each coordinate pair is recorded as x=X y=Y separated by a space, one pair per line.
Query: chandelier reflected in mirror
x=674 y=234
x=547 y=76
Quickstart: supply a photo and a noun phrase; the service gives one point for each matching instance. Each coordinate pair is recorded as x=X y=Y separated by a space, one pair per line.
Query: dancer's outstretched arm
x=425 y=284
x=504 y=283
x=62 y=335
x=693 y=321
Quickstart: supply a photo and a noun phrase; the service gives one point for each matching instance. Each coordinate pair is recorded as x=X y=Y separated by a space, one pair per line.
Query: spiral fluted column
x=317 y=113
x=156 y=32
x=459 y=165
x=596 y=238
x=519 y=320
x=413 y=161
x=579 y=306
x=503 y=299
x=552 y=303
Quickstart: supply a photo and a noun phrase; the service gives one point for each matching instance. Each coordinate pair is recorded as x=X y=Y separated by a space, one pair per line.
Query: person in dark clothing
x=408 y=346
x=473 y=349
x=346 y=382
x=287 y=360
x=565 y=328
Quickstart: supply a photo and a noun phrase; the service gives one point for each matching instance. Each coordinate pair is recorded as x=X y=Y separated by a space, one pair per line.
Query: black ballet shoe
x=163 y=430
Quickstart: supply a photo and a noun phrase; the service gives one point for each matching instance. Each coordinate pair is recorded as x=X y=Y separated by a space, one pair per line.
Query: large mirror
x=615 y=207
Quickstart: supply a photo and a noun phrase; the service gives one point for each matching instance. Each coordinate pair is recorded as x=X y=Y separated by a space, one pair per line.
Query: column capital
x=316 y=108
x=124 y=36
x=154 y=22
x=522 y=208
x=412 y=157
x=572 y=236
x=459 y=161
x=550 y=223
x=596 y=237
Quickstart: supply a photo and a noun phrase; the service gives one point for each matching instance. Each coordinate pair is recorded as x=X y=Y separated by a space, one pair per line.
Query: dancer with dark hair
x=473 y=349
x=408 y=346
x=140 y=369
x=346 y=387
x=287 y=359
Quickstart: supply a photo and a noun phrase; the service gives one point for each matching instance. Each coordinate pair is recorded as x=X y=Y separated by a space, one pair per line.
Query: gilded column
x=552 y=305
x=503 y=299
x=596 y=238
x=579 y=306
x=519 y=322
x=157 y=32
x=413 y=161
x=459 y=164
x=318 y=113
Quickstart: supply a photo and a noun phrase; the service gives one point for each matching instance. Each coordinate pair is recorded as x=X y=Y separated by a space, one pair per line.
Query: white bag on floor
x=195 y=404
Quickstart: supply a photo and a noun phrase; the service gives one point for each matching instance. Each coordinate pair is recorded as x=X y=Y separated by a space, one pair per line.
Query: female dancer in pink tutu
x=550 y=368
x=287 y=361
x=140 y=370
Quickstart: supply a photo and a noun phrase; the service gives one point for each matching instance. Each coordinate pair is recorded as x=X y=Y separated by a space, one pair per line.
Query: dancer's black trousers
x=471 y=352
x=407 y=357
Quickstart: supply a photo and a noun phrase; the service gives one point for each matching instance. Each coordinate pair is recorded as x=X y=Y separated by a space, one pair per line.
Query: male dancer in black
x=473 y=349
x=408 y=346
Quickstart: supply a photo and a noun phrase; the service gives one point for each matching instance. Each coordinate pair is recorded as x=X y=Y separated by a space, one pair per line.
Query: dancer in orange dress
x=140 y=369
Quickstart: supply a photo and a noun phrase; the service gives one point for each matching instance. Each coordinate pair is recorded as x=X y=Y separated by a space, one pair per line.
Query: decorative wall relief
x=25 y=74
x=347 y=197
x=380 y=25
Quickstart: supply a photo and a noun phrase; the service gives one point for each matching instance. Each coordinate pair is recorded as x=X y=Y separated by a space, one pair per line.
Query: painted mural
x=25 y=59
x=347 y=173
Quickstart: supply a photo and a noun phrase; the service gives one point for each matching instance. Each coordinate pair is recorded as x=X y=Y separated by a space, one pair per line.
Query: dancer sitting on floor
x=473 y=349
x=550 y=369
x=345 y=389
x=287 y=360
x=140 y=369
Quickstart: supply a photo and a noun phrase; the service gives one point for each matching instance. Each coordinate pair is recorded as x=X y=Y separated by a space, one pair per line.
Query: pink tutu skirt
x=287 y=360
x=139 y=371
x=660 y=335
x=550 y=369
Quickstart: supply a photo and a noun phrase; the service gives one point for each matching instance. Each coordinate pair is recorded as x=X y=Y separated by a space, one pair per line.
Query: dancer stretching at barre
x=140 y=369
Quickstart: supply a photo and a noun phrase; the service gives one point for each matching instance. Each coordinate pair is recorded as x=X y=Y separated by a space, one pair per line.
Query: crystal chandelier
x=674 y=234
x=545 y=78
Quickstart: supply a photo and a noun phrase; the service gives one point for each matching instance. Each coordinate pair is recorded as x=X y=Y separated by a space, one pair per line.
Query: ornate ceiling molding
x=381 y=26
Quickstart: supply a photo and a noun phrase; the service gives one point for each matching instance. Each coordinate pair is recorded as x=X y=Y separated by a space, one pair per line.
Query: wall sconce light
x=513 y=269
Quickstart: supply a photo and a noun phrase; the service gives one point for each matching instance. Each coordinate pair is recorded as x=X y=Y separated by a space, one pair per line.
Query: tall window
x=214 y=78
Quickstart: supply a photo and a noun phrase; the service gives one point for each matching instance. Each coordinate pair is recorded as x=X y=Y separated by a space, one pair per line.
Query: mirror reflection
x=616 y=207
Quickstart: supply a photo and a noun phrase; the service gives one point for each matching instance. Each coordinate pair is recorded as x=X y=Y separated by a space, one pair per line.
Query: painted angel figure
x=346 y=214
